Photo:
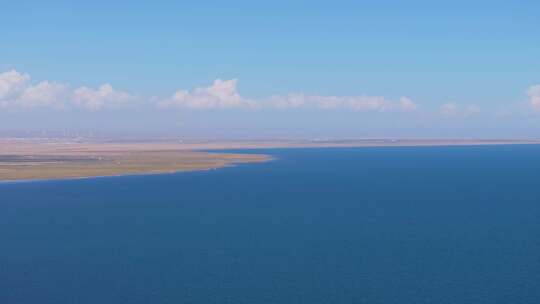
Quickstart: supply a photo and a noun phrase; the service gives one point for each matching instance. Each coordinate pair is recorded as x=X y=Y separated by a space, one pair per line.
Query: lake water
x=360 y=225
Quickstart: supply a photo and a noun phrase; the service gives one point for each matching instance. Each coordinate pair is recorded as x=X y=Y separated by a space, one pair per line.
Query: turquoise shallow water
x=364 y=225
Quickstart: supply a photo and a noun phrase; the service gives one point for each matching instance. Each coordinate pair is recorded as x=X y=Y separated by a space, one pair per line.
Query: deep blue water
x=365 y=225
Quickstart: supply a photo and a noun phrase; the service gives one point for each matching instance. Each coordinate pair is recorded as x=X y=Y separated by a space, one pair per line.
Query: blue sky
x=288 y=68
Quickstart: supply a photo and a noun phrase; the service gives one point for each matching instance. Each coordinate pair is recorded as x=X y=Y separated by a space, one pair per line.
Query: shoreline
x=35 y=167
x=26 y=161
x=17 y=181
x=366 y=145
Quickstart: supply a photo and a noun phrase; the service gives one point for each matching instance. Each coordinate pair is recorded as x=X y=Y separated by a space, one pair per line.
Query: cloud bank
x=223 y=94
x=18 y=91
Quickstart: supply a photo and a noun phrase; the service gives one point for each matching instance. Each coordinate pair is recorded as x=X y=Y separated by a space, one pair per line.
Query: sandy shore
x=28 y=159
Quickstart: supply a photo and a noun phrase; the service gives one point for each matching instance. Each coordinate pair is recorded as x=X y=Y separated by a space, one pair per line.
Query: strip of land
x=27 y=159
x=24 y=160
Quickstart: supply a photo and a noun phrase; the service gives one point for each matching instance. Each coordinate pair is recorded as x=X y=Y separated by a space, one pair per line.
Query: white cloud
x=362 y=103
x=534 y=96
x=12 y=83
x=293 y=100
x=406 y=104
x=449 y=109
x=368 y=103
x=471 y=110
x=93 y=100
x=328 y=102
x=16 y=90
x=354 y=103
x=44 y=94
x=221 y=94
